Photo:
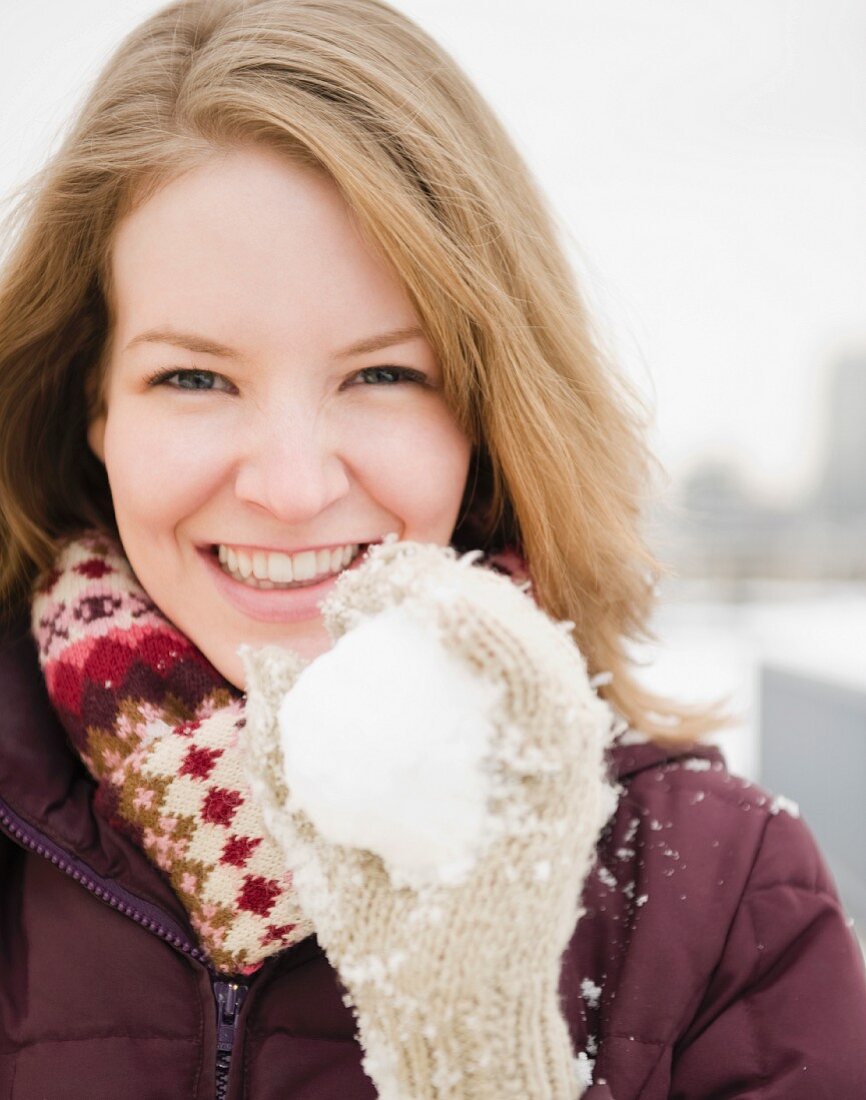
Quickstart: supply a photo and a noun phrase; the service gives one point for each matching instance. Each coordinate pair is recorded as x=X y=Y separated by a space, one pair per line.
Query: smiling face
x=247 y=286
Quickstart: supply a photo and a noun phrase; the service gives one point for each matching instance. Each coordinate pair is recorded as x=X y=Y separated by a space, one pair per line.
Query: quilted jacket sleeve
x=784 y=1017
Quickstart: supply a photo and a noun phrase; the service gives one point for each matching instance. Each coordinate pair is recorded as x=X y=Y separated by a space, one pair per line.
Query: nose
x=292 y=465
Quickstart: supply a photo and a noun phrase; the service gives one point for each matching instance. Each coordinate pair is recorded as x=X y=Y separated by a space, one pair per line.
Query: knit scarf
x=156 y=725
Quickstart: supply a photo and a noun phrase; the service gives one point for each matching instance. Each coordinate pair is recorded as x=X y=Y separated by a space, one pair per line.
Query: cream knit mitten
x=448 y=941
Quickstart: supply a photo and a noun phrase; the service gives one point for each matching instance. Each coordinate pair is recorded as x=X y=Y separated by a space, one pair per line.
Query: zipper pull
x=229 y=997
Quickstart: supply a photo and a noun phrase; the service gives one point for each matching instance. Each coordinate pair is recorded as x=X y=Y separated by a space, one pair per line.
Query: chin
x=309 y=647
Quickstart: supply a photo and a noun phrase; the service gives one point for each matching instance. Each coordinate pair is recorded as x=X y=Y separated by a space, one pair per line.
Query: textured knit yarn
x=455 y=987
x=157 y=727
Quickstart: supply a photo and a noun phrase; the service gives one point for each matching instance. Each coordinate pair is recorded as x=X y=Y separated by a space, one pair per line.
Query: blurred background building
x=717 y=529
x=768 y=603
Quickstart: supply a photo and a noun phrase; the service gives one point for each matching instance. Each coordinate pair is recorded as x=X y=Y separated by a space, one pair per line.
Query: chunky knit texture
x=455 y=987
x=157 y=727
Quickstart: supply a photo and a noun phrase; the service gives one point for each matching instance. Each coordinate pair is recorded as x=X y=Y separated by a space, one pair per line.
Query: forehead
x=256 y=245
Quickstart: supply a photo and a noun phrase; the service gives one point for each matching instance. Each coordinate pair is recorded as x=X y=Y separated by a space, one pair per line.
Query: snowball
x=384 y=738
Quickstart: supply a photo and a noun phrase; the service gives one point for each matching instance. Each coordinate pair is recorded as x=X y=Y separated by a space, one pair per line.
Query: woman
x=267 y=214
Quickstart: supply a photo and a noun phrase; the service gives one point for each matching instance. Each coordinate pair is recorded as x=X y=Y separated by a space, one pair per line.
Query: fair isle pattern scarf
x=156 y=726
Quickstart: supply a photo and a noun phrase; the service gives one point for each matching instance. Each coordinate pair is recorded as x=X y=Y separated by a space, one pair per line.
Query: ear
x=96 y=436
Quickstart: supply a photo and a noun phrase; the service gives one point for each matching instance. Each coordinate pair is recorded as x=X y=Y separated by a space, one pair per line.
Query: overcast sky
x=706 y=159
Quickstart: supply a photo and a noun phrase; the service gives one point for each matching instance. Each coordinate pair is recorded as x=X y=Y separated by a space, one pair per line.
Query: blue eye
x=194 y=376
x=393 y=375
x=198 y=379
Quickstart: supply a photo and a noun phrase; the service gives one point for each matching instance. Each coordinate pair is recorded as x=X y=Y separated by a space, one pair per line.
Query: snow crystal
x=780 y=802
x=600 y=678
x=590 y=992
x=633 y=737
x=384 y=738
x=631 y=830
x=642 y=900
x=541 y=871
x=583 y=1066
x=696 y=764
x=606 y=877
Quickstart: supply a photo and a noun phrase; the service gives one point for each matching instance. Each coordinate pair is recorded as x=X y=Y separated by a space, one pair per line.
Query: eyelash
x=404 y=374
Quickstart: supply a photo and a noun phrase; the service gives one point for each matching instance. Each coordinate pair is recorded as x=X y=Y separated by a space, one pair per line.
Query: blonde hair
x=560 y=464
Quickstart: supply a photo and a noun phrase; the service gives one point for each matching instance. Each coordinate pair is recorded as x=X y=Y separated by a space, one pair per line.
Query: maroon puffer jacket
x=713 y=961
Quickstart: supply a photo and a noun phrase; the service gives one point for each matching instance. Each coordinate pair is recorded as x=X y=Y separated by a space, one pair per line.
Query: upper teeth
x=283 y=568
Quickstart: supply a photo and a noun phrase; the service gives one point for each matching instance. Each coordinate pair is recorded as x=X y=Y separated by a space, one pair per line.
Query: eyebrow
x=192 y=341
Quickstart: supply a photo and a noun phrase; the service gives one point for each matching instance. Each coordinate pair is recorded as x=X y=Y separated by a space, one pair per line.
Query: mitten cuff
x=495 y=1050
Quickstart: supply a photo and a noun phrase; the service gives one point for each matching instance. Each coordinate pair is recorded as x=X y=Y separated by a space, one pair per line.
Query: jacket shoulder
x=761 y=830
x=692 y=798
x=784 y=1010
x=719 y=933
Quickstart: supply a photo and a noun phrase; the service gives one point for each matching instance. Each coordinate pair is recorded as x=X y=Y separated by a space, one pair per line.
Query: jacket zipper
x=229 y=995
x=229 y=998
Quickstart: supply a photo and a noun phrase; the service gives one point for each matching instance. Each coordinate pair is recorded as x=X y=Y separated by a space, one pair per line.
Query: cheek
x=158 y=467
x=416 y=464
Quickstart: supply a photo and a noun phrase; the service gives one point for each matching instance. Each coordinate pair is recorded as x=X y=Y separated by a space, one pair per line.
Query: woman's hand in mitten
x=437 y=783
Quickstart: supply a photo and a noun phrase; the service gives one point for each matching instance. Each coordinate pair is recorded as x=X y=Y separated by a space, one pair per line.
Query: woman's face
x=299 y=410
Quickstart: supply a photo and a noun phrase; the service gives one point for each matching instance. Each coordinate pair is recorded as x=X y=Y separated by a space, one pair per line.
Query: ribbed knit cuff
x=489 y=1051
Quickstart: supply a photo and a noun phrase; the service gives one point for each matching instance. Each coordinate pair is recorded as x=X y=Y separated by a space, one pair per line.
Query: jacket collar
x=628 y=756
x=47 y=788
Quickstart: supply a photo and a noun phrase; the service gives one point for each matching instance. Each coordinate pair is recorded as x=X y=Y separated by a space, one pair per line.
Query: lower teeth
x=254 y=582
